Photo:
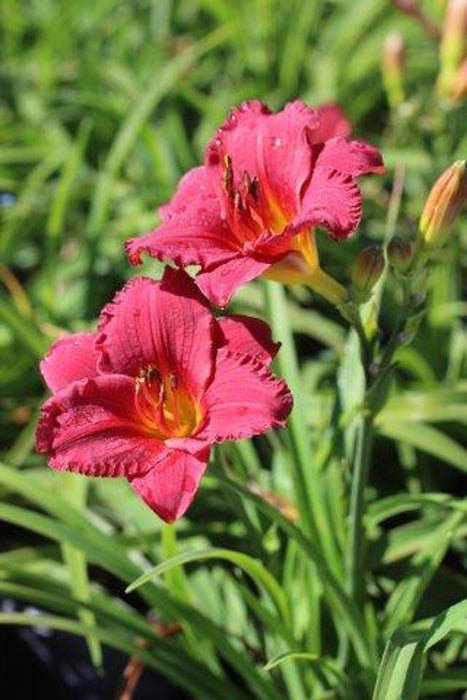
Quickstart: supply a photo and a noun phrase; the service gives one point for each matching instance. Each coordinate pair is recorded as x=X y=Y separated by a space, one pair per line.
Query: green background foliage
x=104 y=105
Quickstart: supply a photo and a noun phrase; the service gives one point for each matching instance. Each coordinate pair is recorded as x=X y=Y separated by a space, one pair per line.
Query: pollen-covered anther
x=227 y=176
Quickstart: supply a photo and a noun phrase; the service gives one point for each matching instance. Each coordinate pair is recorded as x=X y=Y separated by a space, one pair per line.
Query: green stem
x=360 y=472
x=394 y=339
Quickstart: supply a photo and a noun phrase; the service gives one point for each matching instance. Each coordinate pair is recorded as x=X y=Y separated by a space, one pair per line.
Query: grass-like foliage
x=326 y=560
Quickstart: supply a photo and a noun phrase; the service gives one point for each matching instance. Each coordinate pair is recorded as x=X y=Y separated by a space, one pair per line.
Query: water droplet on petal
x=137 y=313
x=275 y=142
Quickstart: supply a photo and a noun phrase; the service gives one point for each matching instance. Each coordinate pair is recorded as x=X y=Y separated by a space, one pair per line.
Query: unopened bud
x=393 y=68
x=366 y=271
x=459 y=88
x=453 y=43
x=400 y=254
x=445 y=201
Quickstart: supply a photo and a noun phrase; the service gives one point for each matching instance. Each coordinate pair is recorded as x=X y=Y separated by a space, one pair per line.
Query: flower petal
x=332 y=201
x=91 y=428
x=332 y=198
x=164 y=324
x=332 y=122
x=274 y=148
x=244 y=399
x=169 y=488
x=350 y=157
x=220 y=282
x=69 y=359
x=192 y=230
x=248 y=336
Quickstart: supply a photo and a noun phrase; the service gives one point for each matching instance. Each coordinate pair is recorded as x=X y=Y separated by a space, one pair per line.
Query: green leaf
x=385 y=508
x=75 y=490
x=427 y=439
x=253 y=567
x=401 y=668
x=338 y=599
x=404 y=600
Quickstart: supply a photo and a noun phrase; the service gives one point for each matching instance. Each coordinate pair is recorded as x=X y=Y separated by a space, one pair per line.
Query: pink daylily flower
x=267 y=181
x=158 y=383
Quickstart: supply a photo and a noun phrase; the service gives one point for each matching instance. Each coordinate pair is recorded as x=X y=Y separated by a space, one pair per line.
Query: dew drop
x=137 y=313
x=275 y=142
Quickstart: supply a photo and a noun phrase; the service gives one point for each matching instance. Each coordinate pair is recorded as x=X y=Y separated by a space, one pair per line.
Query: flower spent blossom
x=267 y=180
x=160 y=381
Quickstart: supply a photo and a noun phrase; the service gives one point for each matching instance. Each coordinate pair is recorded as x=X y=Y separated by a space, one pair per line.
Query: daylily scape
x=160 y=381
x=267 y=180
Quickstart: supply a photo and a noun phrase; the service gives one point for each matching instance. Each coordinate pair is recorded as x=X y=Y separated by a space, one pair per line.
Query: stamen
x=227 y=176
x=163 y=405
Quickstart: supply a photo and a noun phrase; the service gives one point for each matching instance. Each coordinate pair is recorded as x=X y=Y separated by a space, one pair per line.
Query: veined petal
x=169 y=488
x=244 y=399
x=166 y=325
x=353 y=158
x=332 y=201
x=91 y=428
x=69 y=359
x=274 y=148
x=192 y=230
x=248 y=336
x=332 y=122
x=219 y=283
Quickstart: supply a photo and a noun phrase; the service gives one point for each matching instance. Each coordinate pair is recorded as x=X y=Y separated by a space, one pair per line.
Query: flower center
x=250 y=209
x=164 y=405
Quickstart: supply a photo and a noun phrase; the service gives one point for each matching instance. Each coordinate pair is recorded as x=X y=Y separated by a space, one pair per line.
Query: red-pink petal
x=165 y=324
x=69 y=359
x=244 y=399
x=275 y=148
x=332 y=201
x=192 y=230
x=248 y=336
x=332 y=122
x=91 y=428
x=169 y=488
x=219 y=283
x=353 y=158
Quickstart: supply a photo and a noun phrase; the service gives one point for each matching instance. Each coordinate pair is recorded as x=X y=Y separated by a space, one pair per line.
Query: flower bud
x=393 y=68
x=400 y=254
x=445 y=201
x=453 y=43
x=366 y=271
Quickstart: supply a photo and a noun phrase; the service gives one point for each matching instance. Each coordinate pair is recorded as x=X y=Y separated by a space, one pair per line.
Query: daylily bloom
x=160 y=382
x=250 y=210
